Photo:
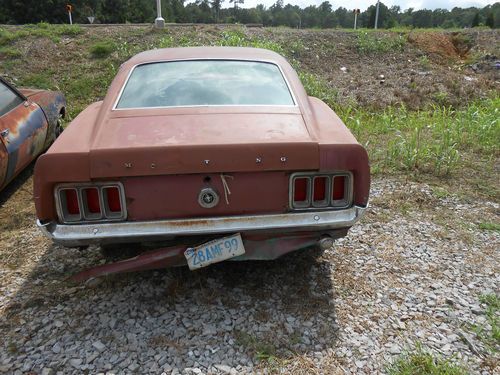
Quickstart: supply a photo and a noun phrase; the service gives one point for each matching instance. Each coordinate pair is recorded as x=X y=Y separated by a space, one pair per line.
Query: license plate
x=214 y=251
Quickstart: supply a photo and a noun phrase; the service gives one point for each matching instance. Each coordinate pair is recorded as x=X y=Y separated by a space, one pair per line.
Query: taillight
x=91 y=196
x=301 y=190
x=72 y=205
x=112 y=200
x=320 y=188
x=90 y=202
x=69 y=203
x=325 y=190
x=338 y=188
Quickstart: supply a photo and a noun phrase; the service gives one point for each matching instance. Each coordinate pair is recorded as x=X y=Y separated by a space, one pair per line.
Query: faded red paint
x=165 y=156
x=176 y=196
x=105 y=144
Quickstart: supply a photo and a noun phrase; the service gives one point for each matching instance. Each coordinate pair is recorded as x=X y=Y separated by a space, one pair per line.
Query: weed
x=166 y=42
x=489 y=333
x=102 y=49
x=421 y=362
x=441 y=97
x=236 y=38
x=9 y=52
x=263 y=350
x=440 y=192
x=7 y=37
x=369 y=43
x=424 y=62
x=489 y=226
x=428 y=141
x=318 y=88
x=39 y=80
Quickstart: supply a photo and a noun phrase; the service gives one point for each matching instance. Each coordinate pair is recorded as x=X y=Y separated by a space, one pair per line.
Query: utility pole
x=159 y=21
x=376 y=15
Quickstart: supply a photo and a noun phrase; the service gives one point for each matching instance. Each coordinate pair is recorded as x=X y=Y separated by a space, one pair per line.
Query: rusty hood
x=186 y=142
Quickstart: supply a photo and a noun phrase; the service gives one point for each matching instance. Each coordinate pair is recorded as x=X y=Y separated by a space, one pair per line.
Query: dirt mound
x=449 y=46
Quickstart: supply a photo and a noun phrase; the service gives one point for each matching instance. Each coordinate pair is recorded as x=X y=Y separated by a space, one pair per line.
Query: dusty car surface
x=209 y=153
x=30 y=120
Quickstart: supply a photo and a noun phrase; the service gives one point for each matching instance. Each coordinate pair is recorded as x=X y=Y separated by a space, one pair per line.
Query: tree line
x=230 y=11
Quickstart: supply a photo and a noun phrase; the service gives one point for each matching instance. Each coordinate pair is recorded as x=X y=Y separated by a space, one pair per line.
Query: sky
x=363 y=4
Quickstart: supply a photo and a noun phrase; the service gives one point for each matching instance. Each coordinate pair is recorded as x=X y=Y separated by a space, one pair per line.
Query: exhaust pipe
x=325 y=242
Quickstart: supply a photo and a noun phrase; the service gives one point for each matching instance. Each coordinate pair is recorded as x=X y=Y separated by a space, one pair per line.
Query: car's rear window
x=205 y=82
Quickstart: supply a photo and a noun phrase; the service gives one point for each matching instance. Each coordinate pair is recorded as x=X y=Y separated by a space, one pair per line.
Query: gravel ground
x=411 y=271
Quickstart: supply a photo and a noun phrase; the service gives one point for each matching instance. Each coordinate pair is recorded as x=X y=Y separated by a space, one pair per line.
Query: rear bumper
x=138 y=231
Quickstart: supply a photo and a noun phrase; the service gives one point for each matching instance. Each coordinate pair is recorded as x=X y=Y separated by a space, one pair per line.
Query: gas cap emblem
x=208 y=198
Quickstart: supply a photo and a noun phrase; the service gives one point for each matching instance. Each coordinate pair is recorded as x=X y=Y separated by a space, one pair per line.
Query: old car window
x=205 y=82
x=8 y=99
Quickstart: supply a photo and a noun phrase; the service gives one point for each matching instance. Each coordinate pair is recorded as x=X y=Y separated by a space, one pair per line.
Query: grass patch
x=38 y=80
x=262 y=349
x=42 y=30
x=7 y=37
x=489 y=226
x=318 y=88
x=369 y=43
x=102 y=49
x=421 y=362
x=9 y=52
x=489 y=333
x=426 y=141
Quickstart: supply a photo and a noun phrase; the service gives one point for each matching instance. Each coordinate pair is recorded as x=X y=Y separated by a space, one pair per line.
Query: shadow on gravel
x=232 y=313
x=16 y=183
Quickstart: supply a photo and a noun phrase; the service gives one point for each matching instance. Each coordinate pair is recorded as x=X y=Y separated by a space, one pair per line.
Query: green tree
x=475 y=20
x=216 y=5
x=235 y=4
x=490 y=20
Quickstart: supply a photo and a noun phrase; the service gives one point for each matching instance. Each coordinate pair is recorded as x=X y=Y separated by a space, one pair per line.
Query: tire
x=58 y=129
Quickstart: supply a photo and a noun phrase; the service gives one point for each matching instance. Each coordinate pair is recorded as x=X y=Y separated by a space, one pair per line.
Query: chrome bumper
x=137 y=231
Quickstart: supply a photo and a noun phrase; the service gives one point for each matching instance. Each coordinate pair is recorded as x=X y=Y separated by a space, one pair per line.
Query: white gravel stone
x=396 y=279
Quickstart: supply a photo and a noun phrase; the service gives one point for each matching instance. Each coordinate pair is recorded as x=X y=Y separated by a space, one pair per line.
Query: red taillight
x=113 y=199
x=72 y=205
x=92 y=200
x=338 y=188
x=319 y=189
x=89 y=202
x=301 y=186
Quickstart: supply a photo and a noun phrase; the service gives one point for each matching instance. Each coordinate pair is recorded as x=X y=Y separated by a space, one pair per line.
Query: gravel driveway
x=411 y=272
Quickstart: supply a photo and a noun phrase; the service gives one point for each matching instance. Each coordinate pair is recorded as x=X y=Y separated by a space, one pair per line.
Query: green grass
x=262 y=349
x=371 y=43
x=427 y=141
x=102 y=49
x=42 y=30
x=489 y=333
x=421 y=362
x=9 y=52
x=489 y=226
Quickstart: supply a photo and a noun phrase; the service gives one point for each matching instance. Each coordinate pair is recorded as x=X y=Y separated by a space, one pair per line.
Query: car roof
x=193 y=53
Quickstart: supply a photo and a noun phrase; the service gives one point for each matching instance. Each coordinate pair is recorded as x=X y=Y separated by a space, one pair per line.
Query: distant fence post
x=159 y=21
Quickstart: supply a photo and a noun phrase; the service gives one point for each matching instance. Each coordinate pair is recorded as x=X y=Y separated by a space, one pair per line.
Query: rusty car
x=30 y=120
x=209 y=154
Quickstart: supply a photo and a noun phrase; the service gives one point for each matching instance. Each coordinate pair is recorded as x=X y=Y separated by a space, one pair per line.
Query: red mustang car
x=210 y=153
x=30 y=120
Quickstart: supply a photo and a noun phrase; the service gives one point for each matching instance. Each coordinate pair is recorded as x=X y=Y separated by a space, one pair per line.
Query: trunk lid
x=202 y=143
